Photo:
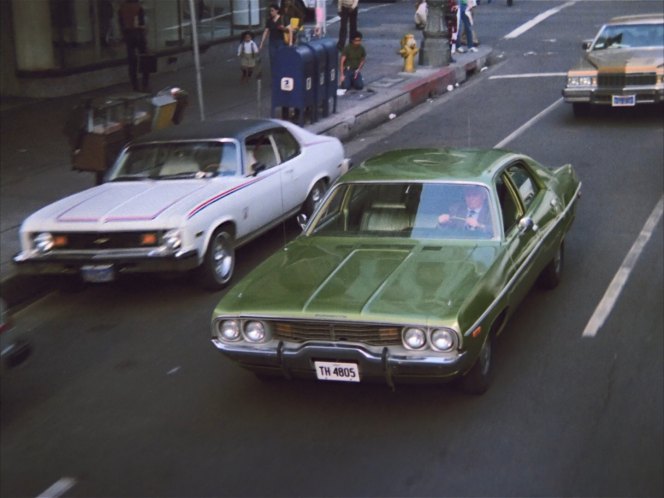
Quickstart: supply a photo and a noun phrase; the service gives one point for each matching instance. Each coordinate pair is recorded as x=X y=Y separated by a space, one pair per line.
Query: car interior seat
x=179 y=165
x=264 y=155
x=386 y=217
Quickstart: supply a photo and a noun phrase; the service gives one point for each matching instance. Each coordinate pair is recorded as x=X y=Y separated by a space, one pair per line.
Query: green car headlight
x=443 y=340
x=414 y=338
x=255 y=331
x=229 y=330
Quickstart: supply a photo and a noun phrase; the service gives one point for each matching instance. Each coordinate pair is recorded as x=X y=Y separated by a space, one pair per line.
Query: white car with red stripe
x=184 y=198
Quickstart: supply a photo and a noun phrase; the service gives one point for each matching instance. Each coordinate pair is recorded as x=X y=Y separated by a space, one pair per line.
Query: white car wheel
x=217 y=268
x=314 y=198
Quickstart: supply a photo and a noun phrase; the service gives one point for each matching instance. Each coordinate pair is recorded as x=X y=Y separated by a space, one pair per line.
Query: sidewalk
x=34 y=155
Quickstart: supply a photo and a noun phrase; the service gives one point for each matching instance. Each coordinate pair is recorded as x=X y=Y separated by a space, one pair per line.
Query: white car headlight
x=43 y=242
x=414 y=338
x=229 y=330
x=577 y=81
x=443 y=339
x=255 y=331
x=173 y=239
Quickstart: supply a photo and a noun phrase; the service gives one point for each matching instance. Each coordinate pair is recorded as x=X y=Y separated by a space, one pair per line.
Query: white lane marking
x=526 y=125
x=59 y=488
x=616 y=286
x=536 y=20
x=336 y=19
x=525 y=75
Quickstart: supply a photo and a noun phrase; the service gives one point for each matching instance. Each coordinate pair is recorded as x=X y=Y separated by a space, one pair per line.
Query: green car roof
x=443 y=164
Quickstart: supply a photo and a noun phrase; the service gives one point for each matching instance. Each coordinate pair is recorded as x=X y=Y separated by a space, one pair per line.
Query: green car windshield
x=407 y=210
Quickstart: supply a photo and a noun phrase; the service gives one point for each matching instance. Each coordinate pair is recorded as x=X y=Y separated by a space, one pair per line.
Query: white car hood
x=112 y=205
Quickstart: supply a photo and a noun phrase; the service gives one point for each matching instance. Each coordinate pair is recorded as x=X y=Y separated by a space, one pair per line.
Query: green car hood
x=364 y=280
x=623 y=59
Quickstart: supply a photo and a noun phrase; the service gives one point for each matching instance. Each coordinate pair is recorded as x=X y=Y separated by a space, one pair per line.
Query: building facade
x=52 y=48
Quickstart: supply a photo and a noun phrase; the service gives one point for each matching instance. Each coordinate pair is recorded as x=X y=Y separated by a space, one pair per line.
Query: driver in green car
x=473 y=214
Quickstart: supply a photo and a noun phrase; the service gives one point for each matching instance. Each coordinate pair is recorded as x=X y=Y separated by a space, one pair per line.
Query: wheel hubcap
x=223 y=258
x=316 y=196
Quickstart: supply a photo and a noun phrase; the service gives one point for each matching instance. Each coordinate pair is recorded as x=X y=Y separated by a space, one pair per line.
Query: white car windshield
x=176 y=160
x=630 y=36
x=409 y=210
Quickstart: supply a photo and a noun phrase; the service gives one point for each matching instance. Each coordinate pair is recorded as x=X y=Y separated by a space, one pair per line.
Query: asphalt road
x=126 y=396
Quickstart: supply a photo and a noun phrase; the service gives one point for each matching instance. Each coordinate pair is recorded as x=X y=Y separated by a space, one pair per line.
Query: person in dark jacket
x=473 y=214
x=131 y=17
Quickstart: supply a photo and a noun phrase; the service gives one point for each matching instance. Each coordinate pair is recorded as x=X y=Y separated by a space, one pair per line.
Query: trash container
x=99 y=128
x=164 y=110
x=293 y=77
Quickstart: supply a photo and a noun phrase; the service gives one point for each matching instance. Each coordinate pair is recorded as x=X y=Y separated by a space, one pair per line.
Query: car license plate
x=97 y=273
x=344 y=372
x=623 y=100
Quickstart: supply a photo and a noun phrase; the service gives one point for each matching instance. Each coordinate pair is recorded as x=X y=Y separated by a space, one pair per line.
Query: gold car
x=622 y=67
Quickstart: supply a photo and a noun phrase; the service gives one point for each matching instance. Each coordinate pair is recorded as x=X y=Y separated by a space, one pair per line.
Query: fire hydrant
x=408 y=51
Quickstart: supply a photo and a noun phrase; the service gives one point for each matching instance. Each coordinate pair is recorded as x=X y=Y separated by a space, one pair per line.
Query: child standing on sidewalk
x=247 y=51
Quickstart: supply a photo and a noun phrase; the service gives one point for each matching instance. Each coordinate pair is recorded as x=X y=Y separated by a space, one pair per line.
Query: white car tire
x=218 y=264
x=314 y=198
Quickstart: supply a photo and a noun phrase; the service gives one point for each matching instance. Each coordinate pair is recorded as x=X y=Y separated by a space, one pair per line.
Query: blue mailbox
x=329 y=47
x=293 y=81
x=320 y=83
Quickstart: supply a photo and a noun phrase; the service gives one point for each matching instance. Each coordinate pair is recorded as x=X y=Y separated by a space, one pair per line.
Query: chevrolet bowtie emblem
x=101 y=241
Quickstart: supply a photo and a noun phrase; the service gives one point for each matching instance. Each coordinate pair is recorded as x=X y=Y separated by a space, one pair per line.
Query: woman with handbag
x=277 y=28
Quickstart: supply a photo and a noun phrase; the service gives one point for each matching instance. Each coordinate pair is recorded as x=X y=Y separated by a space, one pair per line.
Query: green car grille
x=370 y=334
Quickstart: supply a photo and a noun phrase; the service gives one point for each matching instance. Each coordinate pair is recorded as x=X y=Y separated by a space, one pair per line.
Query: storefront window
x=87 y=32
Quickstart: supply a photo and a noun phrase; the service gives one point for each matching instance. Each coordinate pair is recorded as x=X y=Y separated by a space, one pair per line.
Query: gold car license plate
x=343 y=372
x=623 y=100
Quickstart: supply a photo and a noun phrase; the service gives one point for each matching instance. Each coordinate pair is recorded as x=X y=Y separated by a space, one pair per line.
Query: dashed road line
x=616 y=286
x=527 y=125
x=536 y=20
x=59 y=488
x=525 y=75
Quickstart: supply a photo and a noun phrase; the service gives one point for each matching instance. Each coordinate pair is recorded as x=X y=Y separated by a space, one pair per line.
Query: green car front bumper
x=374 y=364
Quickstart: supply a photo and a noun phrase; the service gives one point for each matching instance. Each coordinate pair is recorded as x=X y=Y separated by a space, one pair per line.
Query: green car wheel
x=478 y=378
x=552 y=273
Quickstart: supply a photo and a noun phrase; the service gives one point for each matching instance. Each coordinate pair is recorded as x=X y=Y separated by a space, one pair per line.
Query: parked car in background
x=623 y=66
x=183 y=198
x=392 y=279
x=14 y=347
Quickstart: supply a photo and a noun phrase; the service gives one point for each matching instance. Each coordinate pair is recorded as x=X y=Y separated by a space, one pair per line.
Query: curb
x=406 y=95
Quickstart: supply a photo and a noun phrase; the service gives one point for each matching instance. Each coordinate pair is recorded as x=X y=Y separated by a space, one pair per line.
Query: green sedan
x=407 y=272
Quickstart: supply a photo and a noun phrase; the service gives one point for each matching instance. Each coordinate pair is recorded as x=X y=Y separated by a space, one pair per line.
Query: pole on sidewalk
x=197 y=60
x=435 y=49
x=259 y=86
